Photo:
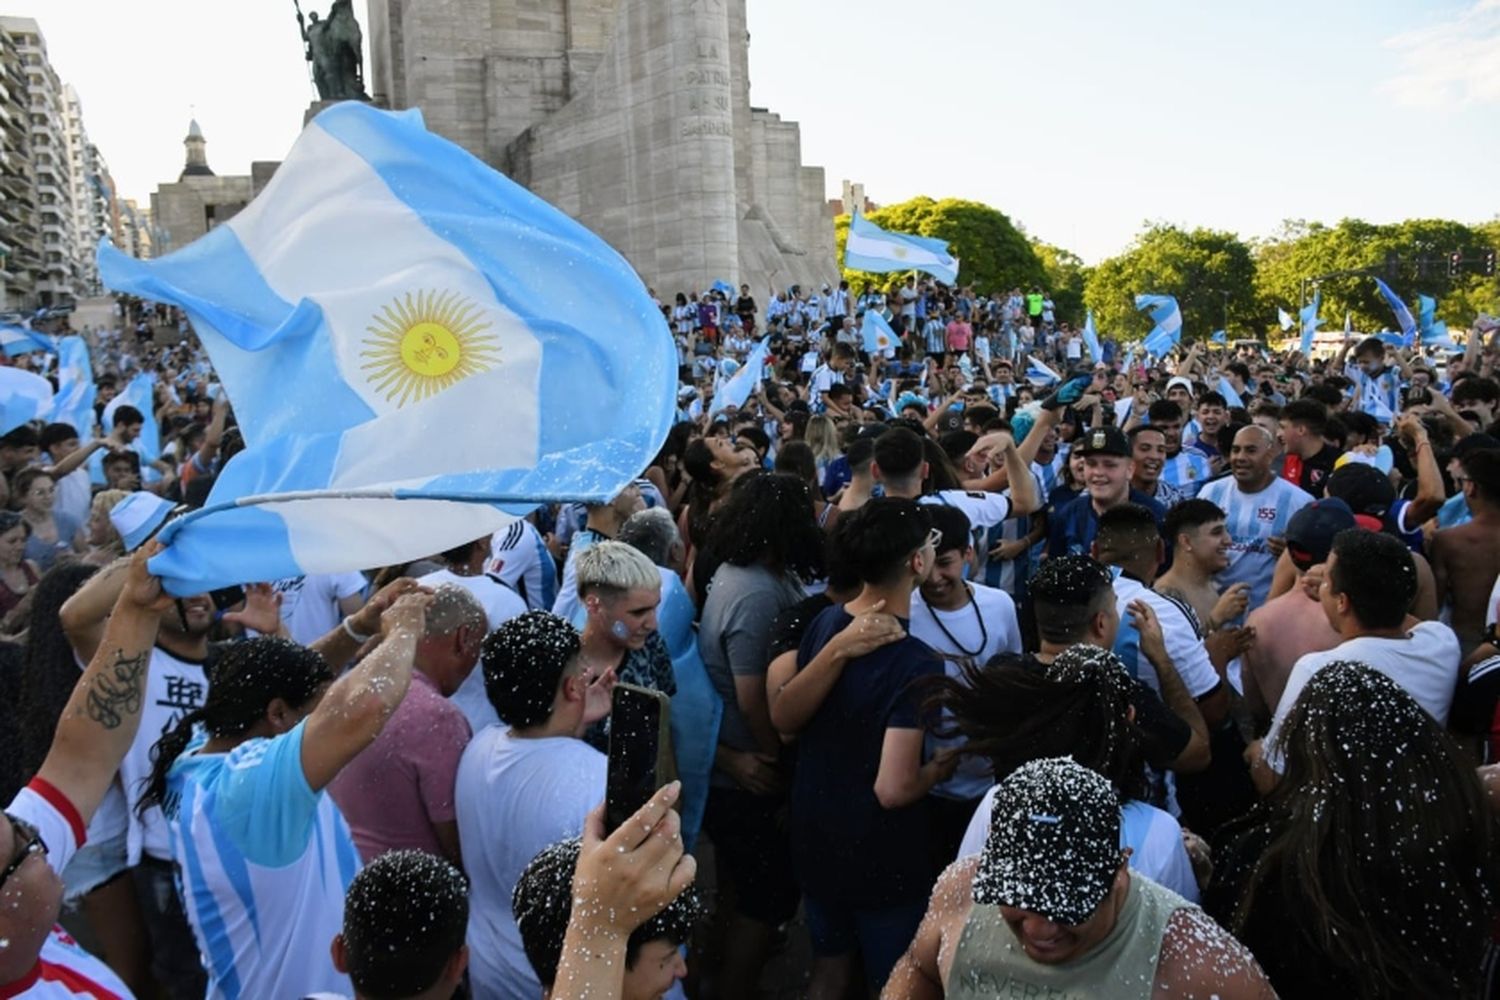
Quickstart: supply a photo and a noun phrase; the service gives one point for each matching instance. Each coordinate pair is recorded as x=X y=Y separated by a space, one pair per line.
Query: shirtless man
x=1465 y=558
x=1051 y=895
x=1293 y=623
x=1201 y=541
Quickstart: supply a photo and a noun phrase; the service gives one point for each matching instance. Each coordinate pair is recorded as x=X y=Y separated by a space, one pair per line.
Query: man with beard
x=1108 y=471
x=1148 y=449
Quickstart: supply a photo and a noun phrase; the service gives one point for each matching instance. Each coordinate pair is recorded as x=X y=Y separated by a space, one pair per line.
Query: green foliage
x=994 y=255
x=1209 y=271
x=1303 y=250
x=1065 y=279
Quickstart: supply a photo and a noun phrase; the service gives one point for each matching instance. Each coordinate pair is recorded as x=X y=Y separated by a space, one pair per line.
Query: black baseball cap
x=1103 y=441
x=1054 y=843
x=1309 y=534
x=1363 y=487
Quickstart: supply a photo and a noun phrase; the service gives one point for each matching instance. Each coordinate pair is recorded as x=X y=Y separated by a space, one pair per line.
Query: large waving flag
x=1403 y=314
x=1308 y=314
x=1434 y=332
x=76 y=393
x=1091 y=338
x=417 y=349
x=1219 y=337
x=738 y=388
x=870 y=248
x=140 y=393
x=1230 y=393
x=1284 y=318
x=17 y=340
x=24 y=397
x=1038 y=373
x=1167 y=332
x=878 y=336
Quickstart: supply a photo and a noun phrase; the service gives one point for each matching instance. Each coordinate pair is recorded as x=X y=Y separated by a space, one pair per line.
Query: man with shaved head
x=1257 y=507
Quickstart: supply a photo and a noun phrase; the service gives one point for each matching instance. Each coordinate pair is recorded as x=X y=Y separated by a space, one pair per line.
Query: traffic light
x=1487 y=262
x=1455 y=263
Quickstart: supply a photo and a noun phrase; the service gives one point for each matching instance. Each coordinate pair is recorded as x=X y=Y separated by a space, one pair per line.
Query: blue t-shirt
x=1072 y=529
x=847 y=848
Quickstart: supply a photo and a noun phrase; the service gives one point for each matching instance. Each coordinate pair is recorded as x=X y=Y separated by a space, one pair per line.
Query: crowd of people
x=996 y=667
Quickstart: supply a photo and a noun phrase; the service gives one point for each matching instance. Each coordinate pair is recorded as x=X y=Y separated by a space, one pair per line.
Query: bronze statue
x=335 y=48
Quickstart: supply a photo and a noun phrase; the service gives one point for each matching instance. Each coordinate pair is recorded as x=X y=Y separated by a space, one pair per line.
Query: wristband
x=349 y=631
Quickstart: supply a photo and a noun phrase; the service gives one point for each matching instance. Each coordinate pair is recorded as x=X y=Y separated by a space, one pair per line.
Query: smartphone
x=640 y=751
x=226 y=598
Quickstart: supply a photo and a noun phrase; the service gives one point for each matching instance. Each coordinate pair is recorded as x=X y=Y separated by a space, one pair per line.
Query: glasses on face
x=30 y=839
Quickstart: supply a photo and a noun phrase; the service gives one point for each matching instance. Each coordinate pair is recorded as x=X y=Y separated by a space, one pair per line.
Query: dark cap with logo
x=1310 y=532
x=1103 y=441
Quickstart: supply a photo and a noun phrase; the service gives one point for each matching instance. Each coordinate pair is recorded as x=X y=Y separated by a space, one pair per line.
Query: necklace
x=984 y=633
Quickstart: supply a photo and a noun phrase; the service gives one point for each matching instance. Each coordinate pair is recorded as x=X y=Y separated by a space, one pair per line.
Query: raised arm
x=83 y=615
x=357 y=706
x=101 y=718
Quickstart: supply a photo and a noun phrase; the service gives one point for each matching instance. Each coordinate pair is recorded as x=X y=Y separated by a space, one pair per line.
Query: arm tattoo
x=116 y=692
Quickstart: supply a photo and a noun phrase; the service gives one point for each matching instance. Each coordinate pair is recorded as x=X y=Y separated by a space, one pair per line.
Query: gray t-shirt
x=734 y=637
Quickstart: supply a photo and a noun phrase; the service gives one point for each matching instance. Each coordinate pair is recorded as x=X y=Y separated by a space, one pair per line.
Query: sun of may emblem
x=424 y=342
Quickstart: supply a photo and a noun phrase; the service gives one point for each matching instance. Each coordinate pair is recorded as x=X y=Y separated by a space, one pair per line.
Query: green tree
x=1066 y=276
x=993 y=253
x=1288 y=263
x=1210 y=272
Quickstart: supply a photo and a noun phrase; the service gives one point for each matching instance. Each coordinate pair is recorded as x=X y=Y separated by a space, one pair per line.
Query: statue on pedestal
x=335 y=48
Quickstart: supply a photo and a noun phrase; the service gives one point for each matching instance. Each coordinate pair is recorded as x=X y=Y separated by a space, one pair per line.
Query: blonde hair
x=105 y=501
x=823 y=438
x=615 y=566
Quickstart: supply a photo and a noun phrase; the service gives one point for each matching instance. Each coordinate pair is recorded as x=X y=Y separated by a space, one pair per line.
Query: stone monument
x=633 y=116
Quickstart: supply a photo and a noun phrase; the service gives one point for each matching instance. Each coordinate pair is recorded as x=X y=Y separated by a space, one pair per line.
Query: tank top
x=990 y=962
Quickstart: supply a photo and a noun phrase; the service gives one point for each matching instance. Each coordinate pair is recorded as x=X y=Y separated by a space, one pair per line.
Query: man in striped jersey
x=1257 y=507
x=520 y=558
x=1183 y=469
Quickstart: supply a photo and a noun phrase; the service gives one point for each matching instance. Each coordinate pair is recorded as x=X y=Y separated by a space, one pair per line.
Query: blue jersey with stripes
x=264 y=862
x=1252 y=519
x=1186 y=471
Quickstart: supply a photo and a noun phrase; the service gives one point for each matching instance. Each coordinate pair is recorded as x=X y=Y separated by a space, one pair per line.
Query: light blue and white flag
x=1393 y=338
x=1284 y=318
x=1403 y=315
x=878 y=336
x=76 y=392
x=1228 y=392
x=1348 y=323
x=1038 y=373
x=139 y=392
x=1091 y=338
x=1433 y=332
x=1164 y=312
x=1310 y=322
x=870 y=248
x=737 y=389
x=723 y=287
x=1219 y=337
x=417 y=349
x=24 y=397
x=17 y=340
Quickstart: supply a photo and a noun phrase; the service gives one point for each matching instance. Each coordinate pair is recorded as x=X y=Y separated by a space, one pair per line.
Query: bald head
x=452 y=608
x=1251 y=456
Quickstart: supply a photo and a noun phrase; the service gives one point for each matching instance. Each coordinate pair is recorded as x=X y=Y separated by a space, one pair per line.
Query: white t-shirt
x=1153 y=836
x=1424 y=662
x=982 y=509
x=63 y=969
x=74 y=496
x=1180 y=630
x=515 y=797
x=501 y=604
x=987 y=624
x=310 y=604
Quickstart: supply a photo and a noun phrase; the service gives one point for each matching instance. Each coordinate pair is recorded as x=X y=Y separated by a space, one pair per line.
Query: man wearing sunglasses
x=44 y=825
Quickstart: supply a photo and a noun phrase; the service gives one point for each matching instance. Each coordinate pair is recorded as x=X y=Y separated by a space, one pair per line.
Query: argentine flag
x=1167 y=332
x=74 y=403
x=878 y=336
x=1403 y=314
x=1310 y=322
x=1091 y=338
x=24 y=397
x=1038 y=373
x=1284 y=318
x=18 y=340
x=738 y=388
x=1434 y=332
x=870 y=248
x=1231 y=397
x=417 y=350
x=1219 y=337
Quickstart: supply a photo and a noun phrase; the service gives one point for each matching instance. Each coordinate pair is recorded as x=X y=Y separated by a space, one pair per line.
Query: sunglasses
x=31 y=842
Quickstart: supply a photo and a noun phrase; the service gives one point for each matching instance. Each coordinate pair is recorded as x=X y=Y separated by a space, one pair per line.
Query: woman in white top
x=1079 y=706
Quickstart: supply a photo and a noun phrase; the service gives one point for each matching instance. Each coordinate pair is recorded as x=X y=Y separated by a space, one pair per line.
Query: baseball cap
x=1054 y=842
x=1104 y=441
x=1309 y=534
x=138 y=516
x=1365 y=489
x=1179 y=380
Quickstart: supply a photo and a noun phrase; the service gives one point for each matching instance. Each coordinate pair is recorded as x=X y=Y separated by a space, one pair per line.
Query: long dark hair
x=1381 y=841
x=698 y=462
x=767 y=520
x=1079 y=707
x=50 y=670
x=248 y=676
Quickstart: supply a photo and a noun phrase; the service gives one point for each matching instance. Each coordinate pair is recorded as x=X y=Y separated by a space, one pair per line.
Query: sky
x=1080 y=119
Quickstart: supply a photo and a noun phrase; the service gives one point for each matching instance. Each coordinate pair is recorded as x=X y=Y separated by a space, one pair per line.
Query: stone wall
x=186 y=209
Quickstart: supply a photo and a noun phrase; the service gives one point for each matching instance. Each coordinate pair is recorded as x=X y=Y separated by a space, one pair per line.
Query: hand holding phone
x=640 y=751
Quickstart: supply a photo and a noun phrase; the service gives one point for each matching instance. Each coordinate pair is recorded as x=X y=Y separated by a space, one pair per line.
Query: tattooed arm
x=104 y=712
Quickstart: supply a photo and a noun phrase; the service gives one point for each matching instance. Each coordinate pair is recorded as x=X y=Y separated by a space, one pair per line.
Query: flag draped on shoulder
x=870 y=248
x=1167 y=317
x=878 y=336
x=416 y=348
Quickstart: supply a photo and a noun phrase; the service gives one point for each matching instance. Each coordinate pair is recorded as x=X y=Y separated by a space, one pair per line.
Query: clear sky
x=1079 y=119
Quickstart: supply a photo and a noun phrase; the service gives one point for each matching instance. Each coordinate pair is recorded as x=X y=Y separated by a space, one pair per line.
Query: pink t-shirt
x=400 y=785
x=958 y=336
